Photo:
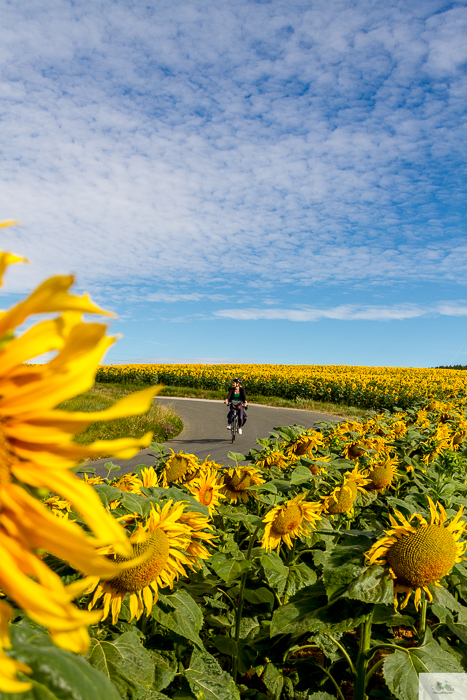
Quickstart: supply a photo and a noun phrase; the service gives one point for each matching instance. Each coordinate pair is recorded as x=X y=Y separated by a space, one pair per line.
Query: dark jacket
x=242 y=394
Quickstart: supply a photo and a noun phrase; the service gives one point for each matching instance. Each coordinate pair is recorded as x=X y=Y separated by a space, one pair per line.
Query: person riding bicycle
x=237 y=400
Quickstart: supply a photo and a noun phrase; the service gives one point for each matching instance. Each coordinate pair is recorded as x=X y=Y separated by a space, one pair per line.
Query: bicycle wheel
x=234 y=425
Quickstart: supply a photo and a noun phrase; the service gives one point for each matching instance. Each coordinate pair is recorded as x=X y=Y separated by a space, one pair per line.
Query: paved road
x=205 y=430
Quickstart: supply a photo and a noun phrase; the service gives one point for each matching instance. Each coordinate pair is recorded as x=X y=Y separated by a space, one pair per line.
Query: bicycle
x=234 y=425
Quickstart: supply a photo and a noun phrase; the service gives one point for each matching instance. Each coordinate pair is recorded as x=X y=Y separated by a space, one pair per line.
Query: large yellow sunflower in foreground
x=419 y=556
x=288 y=521
x=167 y=536
x=37 y=451
x=237 y=483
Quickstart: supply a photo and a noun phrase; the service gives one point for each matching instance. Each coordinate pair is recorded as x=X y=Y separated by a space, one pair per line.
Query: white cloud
x=305 y=143
x=348 y=312
x=183 y=361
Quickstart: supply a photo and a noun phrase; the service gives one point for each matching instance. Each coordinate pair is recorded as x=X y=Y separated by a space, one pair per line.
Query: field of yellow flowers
x=366 y=387
x=327 y=566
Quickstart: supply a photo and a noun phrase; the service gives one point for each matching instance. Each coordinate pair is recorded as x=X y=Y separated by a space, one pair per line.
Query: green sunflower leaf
x=207 y=680
x=374 y=585
x=259 y=595
x=107 y=493
x=127 y=664
x=308 y=611
x=443 y=598
x=274 y=681
x=299 y=475
x=181 y=615
x=134 y=503
x=56 y=674
x=228 y=569
x=275 y=571
x=401 y=669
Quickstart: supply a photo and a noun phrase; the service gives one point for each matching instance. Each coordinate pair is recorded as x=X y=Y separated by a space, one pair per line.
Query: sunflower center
x=177 y=467
x=287 y=521
x=138 y=577
x=238 y=482
x=206 y=495
x=423 y=557
x=381 y=476
x=5 y=458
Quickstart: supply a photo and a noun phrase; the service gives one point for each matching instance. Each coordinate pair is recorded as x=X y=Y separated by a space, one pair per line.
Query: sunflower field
x=367 y=387
x=324 y=564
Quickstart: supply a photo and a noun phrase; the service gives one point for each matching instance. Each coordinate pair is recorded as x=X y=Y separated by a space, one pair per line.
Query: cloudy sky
x=269 y=181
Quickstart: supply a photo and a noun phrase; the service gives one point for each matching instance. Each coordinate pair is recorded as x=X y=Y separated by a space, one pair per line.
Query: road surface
x=205 y=431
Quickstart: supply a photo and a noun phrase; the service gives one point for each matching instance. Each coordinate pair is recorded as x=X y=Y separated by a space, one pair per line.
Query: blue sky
x=246 y=181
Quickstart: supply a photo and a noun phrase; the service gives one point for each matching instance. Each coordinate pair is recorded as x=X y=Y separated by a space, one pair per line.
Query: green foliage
x=310 y=621
x=128 y=665
x=401 y=668
x=181 y=615
x=207 y=680
x=56 y=674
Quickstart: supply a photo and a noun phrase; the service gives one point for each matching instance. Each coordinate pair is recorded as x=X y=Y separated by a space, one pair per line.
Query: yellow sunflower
x=399 y=428
x=288 y=521
x=37 y=452
x=306 y=443
x=238 y=481
x=273 y=458
x=179 y=469
x=205 y=488
x=58 y=506
x=318 y=466
x=419 y=556
x=354 y=450
x=381 y=474
x=149 y=477
x=93 y=479
x=341 y=500
x=167 y=538
x=129 y=483
x=200 y=533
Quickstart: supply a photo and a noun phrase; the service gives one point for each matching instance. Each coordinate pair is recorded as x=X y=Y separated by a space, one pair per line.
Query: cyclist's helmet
x=236 y=380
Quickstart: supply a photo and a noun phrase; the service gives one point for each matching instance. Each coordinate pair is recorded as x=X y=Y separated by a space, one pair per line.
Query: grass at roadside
x=318 y=406
x=162 y=420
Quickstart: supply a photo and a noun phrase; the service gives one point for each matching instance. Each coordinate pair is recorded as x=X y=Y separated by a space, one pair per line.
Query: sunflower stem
x=290 y=554
x=343 y=650
x=294 y=651
x=331 y=678
x=422 y=626
x=373 y=669
x=238 y=614
x=362 y=659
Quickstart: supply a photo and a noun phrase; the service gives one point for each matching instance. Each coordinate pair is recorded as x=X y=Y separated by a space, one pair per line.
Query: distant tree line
x=451 y=367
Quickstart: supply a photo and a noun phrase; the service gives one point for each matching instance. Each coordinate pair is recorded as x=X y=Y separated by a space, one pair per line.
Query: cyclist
x=237 y=400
